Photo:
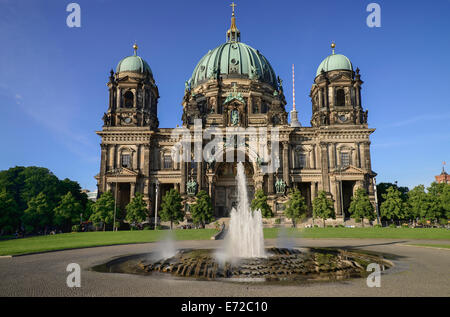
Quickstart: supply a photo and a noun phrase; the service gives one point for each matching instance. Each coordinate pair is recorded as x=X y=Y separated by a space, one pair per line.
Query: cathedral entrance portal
x=225 y=190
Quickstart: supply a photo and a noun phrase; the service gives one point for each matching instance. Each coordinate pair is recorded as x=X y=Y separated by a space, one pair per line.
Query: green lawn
x=89 y=239
x=364 y=233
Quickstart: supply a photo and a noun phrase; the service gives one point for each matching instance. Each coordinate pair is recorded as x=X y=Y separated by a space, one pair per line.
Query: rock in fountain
x=245 y=237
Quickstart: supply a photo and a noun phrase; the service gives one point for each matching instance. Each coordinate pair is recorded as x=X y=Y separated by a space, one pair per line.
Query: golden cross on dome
x=233 y=5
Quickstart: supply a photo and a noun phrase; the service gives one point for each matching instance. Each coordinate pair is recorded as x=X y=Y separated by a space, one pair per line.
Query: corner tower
x=133 y=95
x=336 y=93
x=129 y=124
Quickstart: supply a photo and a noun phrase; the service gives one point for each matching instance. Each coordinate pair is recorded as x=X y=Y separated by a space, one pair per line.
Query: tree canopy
x=137 y=210
x=103 y=210
x=260 y=203
x=361 y=207
x=323 y=207
x=171 y=207
x=202 y=211
x=19 y=188
x=296 y=207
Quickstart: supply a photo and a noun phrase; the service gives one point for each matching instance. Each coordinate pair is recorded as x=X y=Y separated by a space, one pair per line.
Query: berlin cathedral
x=234 y=85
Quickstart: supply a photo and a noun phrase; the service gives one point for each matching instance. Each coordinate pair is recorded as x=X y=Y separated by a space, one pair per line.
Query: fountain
x=245 y=238
x=243 y=256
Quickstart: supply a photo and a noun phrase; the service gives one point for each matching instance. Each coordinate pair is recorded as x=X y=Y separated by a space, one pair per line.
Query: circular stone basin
x=280 y=265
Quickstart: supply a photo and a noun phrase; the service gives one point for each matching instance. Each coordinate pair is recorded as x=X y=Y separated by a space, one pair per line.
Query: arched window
x=340 y=98
x=128 y=98
x=126 y=160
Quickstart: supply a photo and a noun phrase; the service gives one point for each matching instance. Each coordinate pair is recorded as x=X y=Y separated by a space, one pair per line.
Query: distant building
x=443 y=177
x=91 y=195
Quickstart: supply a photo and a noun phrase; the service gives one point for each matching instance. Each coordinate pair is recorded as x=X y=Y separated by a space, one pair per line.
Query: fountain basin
x=279 y=265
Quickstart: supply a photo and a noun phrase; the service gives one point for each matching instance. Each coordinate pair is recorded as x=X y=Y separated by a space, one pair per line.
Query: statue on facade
x=191 y=187
x=234 y=117
x=280 y=186
x=106 y=119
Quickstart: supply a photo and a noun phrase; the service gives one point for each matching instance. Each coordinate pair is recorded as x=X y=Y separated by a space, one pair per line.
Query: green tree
x=418 y=202
x=171 y=207
x=393 y=206
x=103 y=210
x=383 y=187
x=38 y=215
x=260 y=203
x=202 y=210
x=137 y=210
x=296 y=207
x=361 y=207
x=445 y=200
x=323 y=207
x=25 y=183
x=9 y=213
x=67 y=212
x=437 y=204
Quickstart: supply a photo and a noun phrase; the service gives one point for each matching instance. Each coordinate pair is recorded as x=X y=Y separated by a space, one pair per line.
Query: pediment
x=124 y=172
x=352 y=170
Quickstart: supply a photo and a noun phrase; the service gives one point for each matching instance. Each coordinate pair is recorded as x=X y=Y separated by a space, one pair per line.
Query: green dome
x=134 y=64
x=234 y=59
x=334 y=62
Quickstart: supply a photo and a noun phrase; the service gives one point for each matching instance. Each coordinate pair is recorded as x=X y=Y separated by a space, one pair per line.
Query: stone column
x=324 y=164
x=358 y=162
x=132 y=190
x=199 y=175
x=115 y=164
x=320 y=105
x=363 y=155
x=317 y=156
x=313 y=190
x=332 y=155
x=270 y=183
x=286 y=163
x=331 y=97
x=146 y=163
x=183 y=177
x=119 y=97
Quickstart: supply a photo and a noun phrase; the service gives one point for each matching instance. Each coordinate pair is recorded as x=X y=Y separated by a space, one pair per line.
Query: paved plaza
x=418 y=271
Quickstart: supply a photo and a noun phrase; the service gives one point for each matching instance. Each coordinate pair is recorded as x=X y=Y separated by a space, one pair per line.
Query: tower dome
x=334 y=62
x=234 y=59
x=134 y=64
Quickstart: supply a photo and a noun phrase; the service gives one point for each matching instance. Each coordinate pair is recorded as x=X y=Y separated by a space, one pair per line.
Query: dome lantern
x=233 y=33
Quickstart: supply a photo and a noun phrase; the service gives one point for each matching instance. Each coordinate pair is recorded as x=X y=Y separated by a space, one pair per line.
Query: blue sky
x=53 y=78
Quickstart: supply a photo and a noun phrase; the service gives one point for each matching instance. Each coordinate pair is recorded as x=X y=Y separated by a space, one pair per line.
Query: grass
x=364 y=233
x=444 y=246
x=90 y=239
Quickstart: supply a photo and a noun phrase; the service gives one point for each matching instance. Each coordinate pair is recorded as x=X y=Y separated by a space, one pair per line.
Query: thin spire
x=293 y=86
x=294 y=117
x=135 y=48
x=233 y=34
x=333 y=46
